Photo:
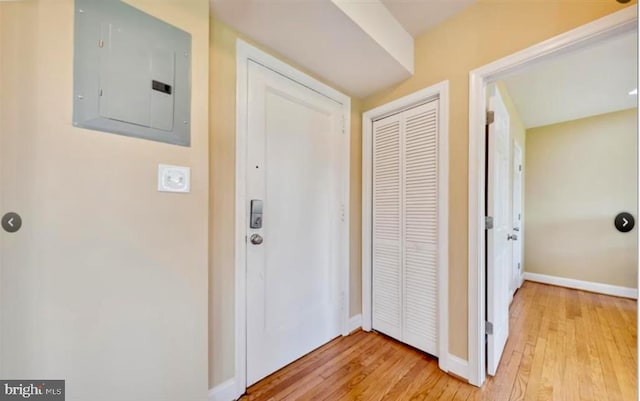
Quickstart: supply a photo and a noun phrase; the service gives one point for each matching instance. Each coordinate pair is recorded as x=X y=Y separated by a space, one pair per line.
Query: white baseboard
x=457 y=366
x=355 y=322
x=225 y=391
x=606 y=289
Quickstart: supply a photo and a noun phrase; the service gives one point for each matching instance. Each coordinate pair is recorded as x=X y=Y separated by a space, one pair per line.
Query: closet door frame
x=440 y=91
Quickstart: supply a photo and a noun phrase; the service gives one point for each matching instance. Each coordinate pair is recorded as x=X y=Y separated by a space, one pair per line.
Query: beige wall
x=106 y=284
x=580 y=175
x=483 y=32
x=222 y=219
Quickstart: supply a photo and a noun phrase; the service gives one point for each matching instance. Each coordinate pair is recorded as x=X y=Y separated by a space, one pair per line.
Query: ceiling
x=358 y=46
x=589 y=81
x=418 y=16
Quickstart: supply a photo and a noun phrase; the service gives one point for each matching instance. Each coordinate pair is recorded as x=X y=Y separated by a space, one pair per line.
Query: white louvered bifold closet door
x=421 y=227
x=387 y=227
x=405 y=227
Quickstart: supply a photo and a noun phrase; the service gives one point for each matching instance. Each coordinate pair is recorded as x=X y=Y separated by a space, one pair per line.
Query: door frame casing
x=608 y=26
x=245 y=53
x=439 y=92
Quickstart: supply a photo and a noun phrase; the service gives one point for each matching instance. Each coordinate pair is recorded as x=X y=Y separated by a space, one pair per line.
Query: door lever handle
x=512 y=237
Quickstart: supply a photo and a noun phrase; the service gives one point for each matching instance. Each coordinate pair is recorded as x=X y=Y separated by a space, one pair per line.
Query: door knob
x=512 y=237
x=256 y=239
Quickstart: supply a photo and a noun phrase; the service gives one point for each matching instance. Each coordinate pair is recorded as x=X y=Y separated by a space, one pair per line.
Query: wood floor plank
x=564 y=345
x=592 y=383
x=375 y=388
x=451 y=389
x=622 y=383
x=327 y=352
x=464 y=392
x=341 y=383
x=522 y=377
x=568 y=379
x=369 y=376
x=535 y=376
x=431 y=388
x=409 y=382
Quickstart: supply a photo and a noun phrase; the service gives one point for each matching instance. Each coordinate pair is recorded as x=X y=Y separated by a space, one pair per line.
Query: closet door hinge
x=344 y=124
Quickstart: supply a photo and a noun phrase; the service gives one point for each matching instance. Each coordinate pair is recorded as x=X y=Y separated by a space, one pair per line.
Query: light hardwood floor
x=564 y=345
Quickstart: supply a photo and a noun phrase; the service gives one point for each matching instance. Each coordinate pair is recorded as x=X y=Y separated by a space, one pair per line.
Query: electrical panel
x=131 y=73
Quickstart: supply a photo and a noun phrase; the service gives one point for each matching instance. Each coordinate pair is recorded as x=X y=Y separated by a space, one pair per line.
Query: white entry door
x=516 y=265
x=295 y=139
x=498 y=238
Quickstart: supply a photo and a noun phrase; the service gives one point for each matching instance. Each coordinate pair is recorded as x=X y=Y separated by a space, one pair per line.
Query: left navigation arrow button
x=11 y=222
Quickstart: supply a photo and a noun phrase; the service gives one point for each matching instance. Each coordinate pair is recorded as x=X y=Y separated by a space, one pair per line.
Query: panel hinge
x=520 y=167
x=344 y=124
x=488 y=328
x=488 y=222
x=518 y=266
x=490 y=117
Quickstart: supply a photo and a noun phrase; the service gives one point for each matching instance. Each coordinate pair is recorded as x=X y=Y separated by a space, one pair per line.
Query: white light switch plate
x=174 y=178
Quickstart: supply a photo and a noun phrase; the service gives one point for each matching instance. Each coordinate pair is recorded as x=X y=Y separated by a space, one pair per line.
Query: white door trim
x=244 y=53
x=602 y=28
x=439 y=91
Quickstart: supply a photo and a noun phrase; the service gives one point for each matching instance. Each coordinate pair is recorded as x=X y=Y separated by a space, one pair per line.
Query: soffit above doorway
x=360 y=47
x=418 y=16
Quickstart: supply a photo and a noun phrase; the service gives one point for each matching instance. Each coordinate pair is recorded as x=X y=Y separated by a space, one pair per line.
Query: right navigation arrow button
x=624 y=222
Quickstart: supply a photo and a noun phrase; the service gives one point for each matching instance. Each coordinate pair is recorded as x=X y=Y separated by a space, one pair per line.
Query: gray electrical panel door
x=131 y=73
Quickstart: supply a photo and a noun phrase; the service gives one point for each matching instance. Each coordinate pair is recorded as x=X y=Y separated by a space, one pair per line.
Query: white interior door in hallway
x=294 y=193
x=405 y=251
x=499 y=237
x=518 y=232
